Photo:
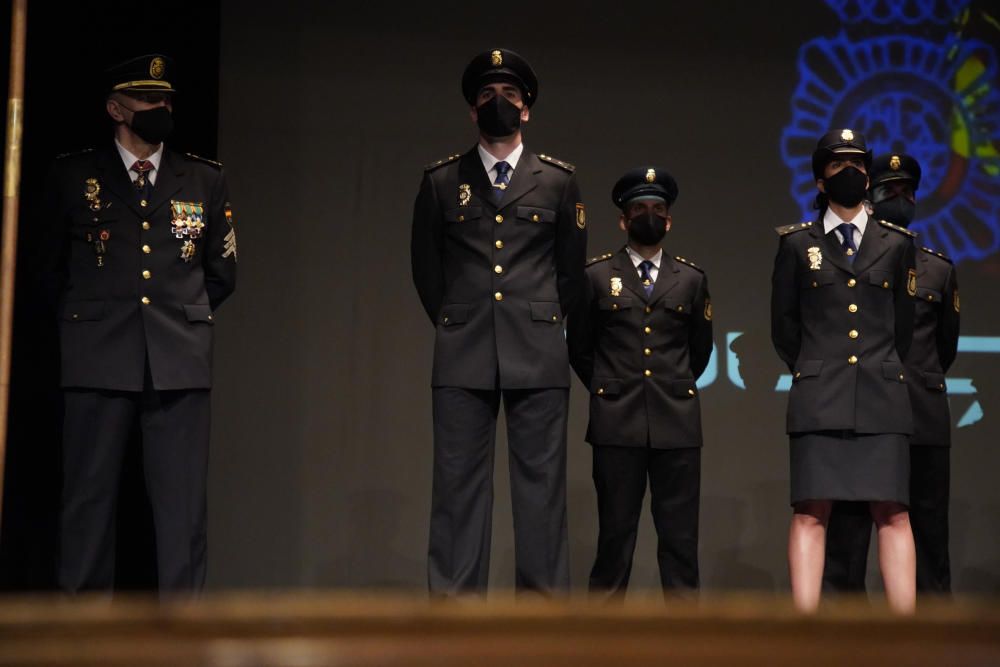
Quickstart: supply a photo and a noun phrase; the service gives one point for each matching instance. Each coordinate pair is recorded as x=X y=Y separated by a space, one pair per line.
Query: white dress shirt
x=638 y=259
x=831 y=220
x=490 y=162
x=130 y=159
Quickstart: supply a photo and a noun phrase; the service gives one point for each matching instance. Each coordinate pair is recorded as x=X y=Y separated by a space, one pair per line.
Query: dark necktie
x=142 y=182
x=847 y=232
x=645 y=266
x=501 y=182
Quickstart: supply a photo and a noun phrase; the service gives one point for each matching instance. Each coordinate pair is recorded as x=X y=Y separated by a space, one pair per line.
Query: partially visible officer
x=142 y=253
x=894 y=182
x=842 y=320
x=498 y=250
x=639 y=341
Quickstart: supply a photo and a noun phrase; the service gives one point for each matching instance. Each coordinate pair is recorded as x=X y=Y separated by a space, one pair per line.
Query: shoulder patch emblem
x=788 y=229
x=688 y=262
x=204 y=159
x=937 y=254
x=434 y=165
x=897 y=228
x=557 y=162
x=600 y=258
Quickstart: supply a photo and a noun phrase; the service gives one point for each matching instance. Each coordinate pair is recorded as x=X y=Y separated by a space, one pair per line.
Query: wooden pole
x=11 y=188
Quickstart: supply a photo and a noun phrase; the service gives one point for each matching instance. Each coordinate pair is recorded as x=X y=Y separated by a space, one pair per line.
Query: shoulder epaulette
x=600 y=258
x=71 y=153
x=937 y=254
x=559 y=163
x=434 y=165
x=797 y=227
x=901 y=230
x=689 y=263
x=204 y=159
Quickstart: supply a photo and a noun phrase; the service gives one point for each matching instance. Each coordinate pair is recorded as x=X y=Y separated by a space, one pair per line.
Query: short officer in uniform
x=842 y=320
x=142 y=252
x=498 y=249
x=894 y=182
x=639 y=341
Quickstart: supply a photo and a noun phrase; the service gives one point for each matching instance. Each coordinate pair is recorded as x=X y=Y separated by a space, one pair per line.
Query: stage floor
x=312 y=629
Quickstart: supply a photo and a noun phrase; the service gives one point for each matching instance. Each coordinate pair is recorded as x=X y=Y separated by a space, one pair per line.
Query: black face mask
x=647 y=229
x=899 y=210
x=152 y=125
x=847 y=187
x=498 y=117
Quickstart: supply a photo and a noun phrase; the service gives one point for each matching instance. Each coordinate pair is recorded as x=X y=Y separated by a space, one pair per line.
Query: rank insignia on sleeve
x=911 y=282
x=581 y=216
x=230 y=248
x=815 y=257
x=616 y=286
x=186 y=219
x=464 y=194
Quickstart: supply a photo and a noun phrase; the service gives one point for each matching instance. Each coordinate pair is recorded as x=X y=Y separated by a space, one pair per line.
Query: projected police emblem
x=934 y=98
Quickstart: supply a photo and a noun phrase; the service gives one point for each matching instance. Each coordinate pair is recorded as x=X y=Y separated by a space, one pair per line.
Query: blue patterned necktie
x=501 y=182
x=645 y=267
x=847 y=232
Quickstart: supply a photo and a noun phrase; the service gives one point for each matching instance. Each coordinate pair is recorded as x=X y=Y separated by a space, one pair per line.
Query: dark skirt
x=842 y=465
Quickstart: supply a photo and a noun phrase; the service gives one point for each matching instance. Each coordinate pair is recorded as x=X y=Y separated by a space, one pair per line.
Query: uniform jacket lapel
x=168 y=180
x=666 y=279
x=622 y=266
x=524 y=179
x=832 y=251
x=114 y=176
x=873 y=246
x=471 y=172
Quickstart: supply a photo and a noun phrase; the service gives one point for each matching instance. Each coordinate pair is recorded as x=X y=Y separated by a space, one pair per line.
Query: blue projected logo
x=937 y=101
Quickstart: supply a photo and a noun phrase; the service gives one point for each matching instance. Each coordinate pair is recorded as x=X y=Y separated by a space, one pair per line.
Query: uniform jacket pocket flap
x=929 y=295
x=881 y=278
x=808 y=368
x=934 y=381
x=535 y=214
x=545 y=311
x=893 y=370
x=606 y=386
x=463 y=213
x=817 y=278
x=454 y=313
x=83 y=311
x=198 y=312
x=683 y=388
x=678 y=306
x=615 y=302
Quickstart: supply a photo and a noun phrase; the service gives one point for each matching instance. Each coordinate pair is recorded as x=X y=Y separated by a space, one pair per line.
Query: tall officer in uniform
x=142 y=252
x=895 y=179
x=498 y=251
x=842 y=320
x=639 y=341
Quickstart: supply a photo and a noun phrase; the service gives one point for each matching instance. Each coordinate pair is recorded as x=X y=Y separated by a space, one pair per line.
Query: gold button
x=647 y=351
x=614 y=306
x=941 y=386
x=680 y=309
x=534 y=217
x=930 y=297
x=76 y=316
x=815 y=284
x=146 y=249
x=143 y=203
x=145 y=225
x=210 y=317
x=146 y=274
x=499 y=245
x=853 y=333
x=498 y=296
x=690 y=392
x=900 y=377
x=499 y=218
x=648 y=330
x=145 y=300
x=885 y=284
x=648 y=310
x=446 y=320
x=497 y=269
x=852 y=282
x=798 y=374
x=648 y=373
x=852 y=308
x=852 y=360
x=461 y=218
x=600 y=391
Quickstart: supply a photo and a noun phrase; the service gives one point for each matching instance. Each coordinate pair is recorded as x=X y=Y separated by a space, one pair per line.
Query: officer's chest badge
x=187 y=250
x=92 y=193
x=911 y=282
x=464 y=194
x=815 y=258
x=616 y=286
x=187 y=219
x=581 y=216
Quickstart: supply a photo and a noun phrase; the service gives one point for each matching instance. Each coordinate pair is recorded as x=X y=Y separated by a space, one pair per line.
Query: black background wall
x=321 y=453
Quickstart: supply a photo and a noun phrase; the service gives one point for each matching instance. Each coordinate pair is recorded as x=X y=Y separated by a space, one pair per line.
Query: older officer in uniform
x=895 y=179
x=842 y=320
x=639 y=341
x=142 y=253
x=498 y=250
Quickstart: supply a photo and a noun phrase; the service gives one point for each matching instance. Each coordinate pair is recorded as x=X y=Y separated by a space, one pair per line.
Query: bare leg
x=806 y=550
x=897 y=556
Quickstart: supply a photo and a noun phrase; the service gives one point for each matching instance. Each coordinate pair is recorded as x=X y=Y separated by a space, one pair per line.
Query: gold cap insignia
x=156 y=67
x=894 y=162
x=581 y=216
x=496 y=58
x=847 y=135
x=911 y=282
x=616 y=286
x=651 y=176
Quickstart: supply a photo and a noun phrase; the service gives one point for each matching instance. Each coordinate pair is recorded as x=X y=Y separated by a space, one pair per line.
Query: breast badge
x=187 y=250
x=815 y=258
x=616 y=286
x=92 y=193
x=464 y=194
